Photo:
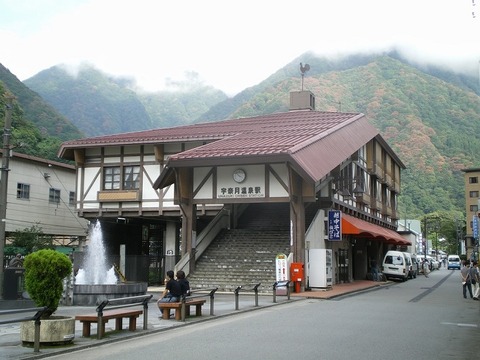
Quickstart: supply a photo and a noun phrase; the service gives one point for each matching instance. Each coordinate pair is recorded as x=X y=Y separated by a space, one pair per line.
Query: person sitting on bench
x=184 y=284
x=172 y=290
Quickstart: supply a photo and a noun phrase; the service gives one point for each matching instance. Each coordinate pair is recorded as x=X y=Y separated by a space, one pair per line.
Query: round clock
x=239 y=175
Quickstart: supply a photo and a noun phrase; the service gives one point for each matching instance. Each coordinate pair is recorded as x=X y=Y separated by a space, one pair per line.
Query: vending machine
x=320 y=268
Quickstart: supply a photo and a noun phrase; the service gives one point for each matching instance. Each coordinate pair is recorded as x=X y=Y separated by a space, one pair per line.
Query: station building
x=328 y=180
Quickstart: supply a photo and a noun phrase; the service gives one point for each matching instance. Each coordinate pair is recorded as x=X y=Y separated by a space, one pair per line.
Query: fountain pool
x=95 y=281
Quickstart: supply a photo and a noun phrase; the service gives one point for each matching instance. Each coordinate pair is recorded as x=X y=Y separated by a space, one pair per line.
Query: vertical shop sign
x=334 y=225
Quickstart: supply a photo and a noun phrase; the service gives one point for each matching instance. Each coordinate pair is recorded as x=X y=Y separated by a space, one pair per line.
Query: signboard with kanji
x=475 y=226
x=334 y=225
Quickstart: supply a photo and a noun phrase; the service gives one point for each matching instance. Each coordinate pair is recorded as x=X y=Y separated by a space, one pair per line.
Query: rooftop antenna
x=303 y=70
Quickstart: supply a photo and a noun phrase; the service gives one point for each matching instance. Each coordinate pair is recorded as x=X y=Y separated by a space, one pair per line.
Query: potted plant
x=44 y=273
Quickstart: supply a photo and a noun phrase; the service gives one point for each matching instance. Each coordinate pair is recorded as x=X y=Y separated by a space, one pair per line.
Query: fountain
x=94 y=282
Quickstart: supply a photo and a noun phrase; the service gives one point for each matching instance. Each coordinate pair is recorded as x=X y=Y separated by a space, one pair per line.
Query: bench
x=165 y=308
x=196 y=298
x=117 y=314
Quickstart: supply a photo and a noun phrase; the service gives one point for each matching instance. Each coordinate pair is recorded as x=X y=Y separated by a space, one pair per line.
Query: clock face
x=239 y=175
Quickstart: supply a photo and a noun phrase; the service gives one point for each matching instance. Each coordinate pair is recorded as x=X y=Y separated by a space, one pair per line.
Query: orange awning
x=353 y=226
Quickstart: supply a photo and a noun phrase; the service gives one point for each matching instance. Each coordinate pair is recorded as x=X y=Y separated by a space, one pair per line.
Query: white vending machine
x=320 y=268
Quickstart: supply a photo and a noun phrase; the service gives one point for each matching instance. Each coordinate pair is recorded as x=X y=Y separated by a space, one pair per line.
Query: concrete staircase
x=247 y=254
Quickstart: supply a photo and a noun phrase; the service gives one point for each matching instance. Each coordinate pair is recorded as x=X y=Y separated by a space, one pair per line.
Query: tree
x=44 y=273
x=444 y=225
x=32 y=239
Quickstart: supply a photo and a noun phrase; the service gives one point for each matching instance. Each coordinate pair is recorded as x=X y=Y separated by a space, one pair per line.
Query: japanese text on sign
x=241 y=192
x=334 y=225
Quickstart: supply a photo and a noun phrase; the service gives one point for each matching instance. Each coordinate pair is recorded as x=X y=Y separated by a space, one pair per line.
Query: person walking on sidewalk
x=426 y=268
x=466 y=280
x=475 y=276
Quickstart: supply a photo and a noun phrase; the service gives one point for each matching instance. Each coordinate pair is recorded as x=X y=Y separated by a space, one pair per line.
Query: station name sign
x=235 y=192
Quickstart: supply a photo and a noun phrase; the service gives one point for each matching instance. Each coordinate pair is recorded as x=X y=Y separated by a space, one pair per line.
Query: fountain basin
x=88 y=295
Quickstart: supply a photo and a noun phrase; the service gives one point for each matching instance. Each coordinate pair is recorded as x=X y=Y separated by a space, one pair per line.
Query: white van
x=454 y=262
x=395 y=265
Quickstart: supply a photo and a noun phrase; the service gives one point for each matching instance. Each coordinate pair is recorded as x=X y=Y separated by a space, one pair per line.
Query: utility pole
x=4 y=183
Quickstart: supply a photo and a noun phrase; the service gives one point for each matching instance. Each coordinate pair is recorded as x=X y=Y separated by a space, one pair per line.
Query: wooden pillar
x=297 y=217
x=189 y=214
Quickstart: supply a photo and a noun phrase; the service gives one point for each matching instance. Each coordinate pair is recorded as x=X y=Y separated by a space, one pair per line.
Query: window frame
x=71 y=198
x=121 y=177
x=54 y=196
x=23 y=191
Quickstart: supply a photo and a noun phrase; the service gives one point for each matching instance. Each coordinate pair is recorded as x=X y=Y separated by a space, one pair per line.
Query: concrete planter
x=56 y=330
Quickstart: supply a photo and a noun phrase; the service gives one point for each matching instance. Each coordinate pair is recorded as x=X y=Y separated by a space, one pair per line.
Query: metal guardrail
x=39 y=312
x=281 y=284
x=248 y=287
x=123 y=303
x=211 y=295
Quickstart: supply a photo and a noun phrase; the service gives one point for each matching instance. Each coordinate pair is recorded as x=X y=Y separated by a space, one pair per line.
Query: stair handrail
x=204 y=239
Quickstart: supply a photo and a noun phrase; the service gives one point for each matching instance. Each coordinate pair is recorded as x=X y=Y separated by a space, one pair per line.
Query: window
x=23 y=191
x=54 y=196
x=474 y=194
x=71 y=198
x=473 y=180
x=474 y=208
x=116 y=179
x=130 y=177
x=111 y=179
x=393 y=260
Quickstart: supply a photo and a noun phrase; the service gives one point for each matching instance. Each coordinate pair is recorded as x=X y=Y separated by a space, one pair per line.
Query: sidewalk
x=224 y=305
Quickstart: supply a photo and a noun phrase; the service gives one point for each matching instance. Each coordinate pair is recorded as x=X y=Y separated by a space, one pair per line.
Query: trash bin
x=13 y=283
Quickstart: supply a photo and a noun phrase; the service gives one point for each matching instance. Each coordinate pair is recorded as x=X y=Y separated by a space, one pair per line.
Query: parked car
x=415 y=264
x=434 y=264
x=454 y=262
x=395 y=265
x=411 y=272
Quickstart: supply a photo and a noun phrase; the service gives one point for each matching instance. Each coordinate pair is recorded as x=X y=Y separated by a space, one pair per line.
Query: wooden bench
x=117 y=314
x=165 y=308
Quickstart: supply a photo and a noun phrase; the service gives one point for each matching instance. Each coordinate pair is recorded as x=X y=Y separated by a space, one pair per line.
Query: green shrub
x=44 y=274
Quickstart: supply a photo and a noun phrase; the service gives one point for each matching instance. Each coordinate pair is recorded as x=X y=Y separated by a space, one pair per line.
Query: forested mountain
x=36 y=125
x=429 y=122
x=429 y=116
x=96 y=103
x=100 y=104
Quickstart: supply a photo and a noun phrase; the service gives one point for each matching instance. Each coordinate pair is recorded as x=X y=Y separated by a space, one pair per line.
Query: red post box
x=297 y=275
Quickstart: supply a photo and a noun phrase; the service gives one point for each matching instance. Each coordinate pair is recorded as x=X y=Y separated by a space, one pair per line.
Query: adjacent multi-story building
x=469 y=245
x=41 y=193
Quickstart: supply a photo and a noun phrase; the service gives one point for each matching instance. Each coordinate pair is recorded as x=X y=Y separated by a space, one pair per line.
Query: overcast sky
x=230 y=44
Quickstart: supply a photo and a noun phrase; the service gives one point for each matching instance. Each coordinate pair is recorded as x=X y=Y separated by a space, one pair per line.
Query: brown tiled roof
x=313 y=142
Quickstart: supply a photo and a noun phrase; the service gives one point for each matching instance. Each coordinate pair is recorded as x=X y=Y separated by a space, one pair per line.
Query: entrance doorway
x=343 y=264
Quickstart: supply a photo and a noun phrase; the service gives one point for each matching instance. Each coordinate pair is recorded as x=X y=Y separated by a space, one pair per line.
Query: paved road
x=423 y=318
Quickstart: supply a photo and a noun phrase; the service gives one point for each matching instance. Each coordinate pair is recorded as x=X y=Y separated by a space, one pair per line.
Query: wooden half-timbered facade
x=159 y=190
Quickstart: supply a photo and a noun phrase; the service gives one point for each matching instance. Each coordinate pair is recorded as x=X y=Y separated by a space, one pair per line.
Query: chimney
x=302 y=100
